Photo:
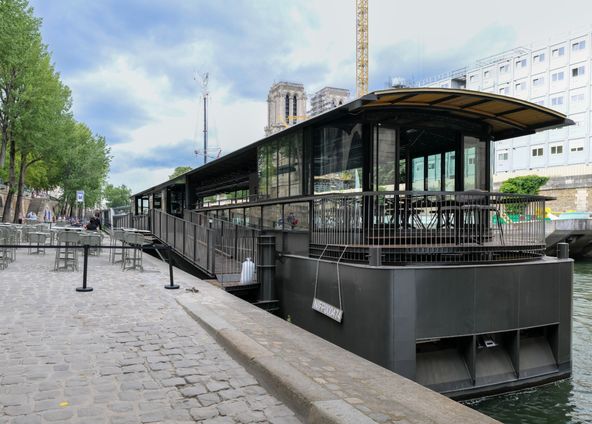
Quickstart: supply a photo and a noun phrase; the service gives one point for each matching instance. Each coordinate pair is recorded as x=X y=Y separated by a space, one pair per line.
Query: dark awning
x=507 y=116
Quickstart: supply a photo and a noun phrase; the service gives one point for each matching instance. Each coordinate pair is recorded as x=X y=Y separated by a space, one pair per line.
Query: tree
x=38 y=133
x=527 y=184
x=117 y=196
x=20 y=44
x=179 y=170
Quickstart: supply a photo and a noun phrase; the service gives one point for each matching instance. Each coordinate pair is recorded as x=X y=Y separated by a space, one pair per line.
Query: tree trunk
x=11 y=182
x=5 y=130
x=21 y=187
x=3 y=146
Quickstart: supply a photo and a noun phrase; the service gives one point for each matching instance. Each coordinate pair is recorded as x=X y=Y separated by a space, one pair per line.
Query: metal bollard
x=172 y=285
x=84 y=288
x=562 y=250
x=266 y=267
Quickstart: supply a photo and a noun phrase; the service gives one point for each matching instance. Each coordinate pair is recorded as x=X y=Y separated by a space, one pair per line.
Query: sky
x=134 y=66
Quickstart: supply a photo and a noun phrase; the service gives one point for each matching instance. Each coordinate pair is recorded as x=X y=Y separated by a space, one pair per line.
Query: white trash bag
x=247 y=272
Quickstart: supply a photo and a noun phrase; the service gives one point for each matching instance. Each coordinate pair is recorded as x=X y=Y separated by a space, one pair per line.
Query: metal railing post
x=171 y=285
x=84 y=288
x=266 y=267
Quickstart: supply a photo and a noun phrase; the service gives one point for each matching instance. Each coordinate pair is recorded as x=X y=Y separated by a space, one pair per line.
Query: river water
x=568 y=401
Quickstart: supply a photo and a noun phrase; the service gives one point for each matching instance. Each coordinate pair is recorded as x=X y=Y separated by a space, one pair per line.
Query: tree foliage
x=179 y=170
x=45 y=146
x=117 y=196
x=527 y=184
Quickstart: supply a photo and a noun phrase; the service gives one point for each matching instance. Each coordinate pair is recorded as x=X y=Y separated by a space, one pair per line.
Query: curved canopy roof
x=507 y=116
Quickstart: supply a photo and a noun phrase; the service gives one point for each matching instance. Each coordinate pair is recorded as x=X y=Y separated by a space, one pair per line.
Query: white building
x=286 y=105
x=554 y=74
x=327 y=98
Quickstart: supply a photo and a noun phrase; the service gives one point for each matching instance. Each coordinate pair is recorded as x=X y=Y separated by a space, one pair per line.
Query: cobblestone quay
x=124 y=353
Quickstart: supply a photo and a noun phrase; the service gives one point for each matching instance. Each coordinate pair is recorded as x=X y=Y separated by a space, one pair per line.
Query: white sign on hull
x=326 y=309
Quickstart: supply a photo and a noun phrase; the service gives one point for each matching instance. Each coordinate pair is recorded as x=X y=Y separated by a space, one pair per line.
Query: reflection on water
x=568 y=401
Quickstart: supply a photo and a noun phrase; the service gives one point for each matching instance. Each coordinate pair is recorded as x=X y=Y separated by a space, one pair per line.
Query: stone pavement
x=124 y=353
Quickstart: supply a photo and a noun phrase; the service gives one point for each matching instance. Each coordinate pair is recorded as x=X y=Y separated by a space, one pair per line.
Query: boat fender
x=247 y=272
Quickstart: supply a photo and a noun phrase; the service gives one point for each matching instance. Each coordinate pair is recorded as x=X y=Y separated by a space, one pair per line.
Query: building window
x=578 y=98
x=487 y=74
x=558 y=52
x=504 y=90
x=521 y=63
x=287 y=109
x=557 y=150
x=444 y=85
x=504 y=69
x=577 y=71
x=578 y=45
x=557 y=101
x=472 y=78
x=502 y=156
x=537 y=151
x=294 y=109
x=576 y=148
x=540 y=102
x=520 y=86
x=558 y=76
x=537 y=82
x=539 y=58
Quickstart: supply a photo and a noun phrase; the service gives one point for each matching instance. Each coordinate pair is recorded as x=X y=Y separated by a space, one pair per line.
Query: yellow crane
x=361 y=47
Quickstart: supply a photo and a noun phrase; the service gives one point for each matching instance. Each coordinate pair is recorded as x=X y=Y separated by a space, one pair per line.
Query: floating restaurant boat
x=390 y=242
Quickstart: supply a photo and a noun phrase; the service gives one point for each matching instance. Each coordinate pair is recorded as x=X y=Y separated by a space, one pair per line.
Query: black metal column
x=266 y=267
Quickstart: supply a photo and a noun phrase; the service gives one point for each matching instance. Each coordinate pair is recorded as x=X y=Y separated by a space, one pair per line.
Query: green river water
x=568 y=401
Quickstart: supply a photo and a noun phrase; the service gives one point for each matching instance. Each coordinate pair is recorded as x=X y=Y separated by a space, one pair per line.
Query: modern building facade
x=286 y=106
x=328 y=98
x=554 y=74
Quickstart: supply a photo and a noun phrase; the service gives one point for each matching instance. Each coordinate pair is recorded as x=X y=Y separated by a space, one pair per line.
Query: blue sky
x=131 y=64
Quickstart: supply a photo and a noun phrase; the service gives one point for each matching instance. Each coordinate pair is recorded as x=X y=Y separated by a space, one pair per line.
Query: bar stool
x=133 y=257
x=37 y=239
x=67 y=252
x=93 y=240
x=115 y=254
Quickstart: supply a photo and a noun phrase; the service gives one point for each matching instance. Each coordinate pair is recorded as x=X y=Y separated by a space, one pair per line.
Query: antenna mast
x=205 y=94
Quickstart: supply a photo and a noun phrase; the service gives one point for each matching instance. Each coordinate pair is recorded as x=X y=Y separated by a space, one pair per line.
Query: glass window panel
x=272 y=216
x=272 y=189
x=474 y=164
x=385 y=158
x=237 y=216
x=253 y=217
x=402 y=174
x=338 y=159
x=435 y=172
x=296 y=164
x=417 y=173
x=449 y=171
x=262 y=169
x=283 y=170
x=296 y=216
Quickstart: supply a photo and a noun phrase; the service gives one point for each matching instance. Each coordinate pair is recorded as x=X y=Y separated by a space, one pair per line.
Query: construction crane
x=361 y=47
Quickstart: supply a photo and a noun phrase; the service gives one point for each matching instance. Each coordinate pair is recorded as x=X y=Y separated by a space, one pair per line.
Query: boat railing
x=402 y=227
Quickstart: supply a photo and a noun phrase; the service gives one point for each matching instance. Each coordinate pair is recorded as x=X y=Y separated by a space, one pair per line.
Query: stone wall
x=569 y=199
